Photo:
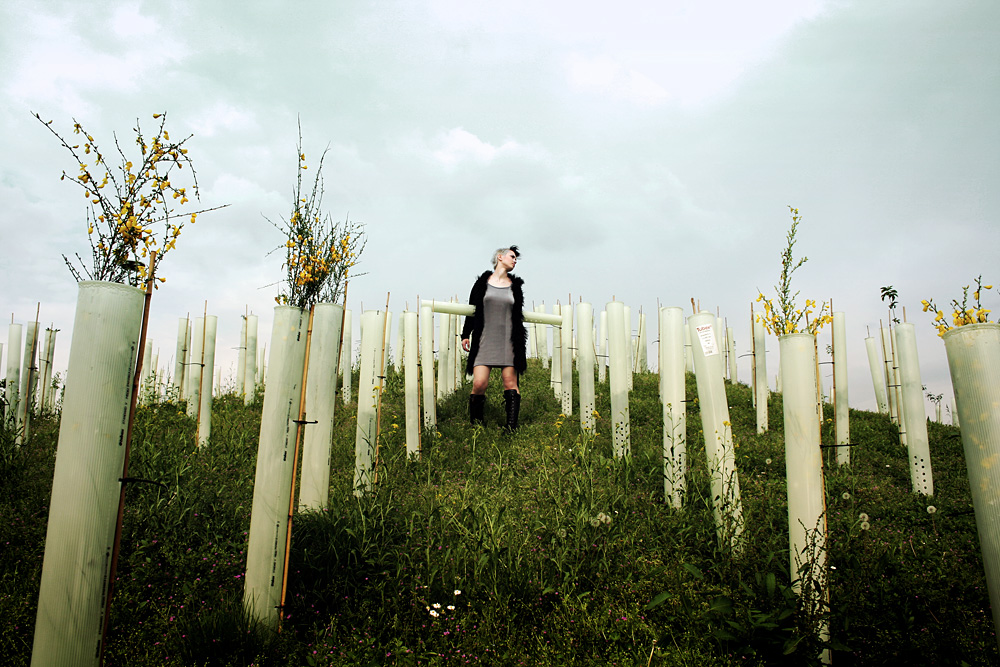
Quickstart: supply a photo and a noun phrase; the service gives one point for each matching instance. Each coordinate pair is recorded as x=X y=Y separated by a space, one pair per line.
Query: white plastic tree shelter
x=210 y=325
x=427 y=363
x=144 y=382
x=241 y=357
x=602 y=347
x=761 y=390
x=566 y=359
x=974 y=363
x=688 y=353
x=542 y=338
x=347 y=357
x=585 y=363
x=674 y=406
x=898 y=387
x=196 y=367
x=629 y=344
x=807 y=530
x=411 y=383
x=731 y=355
x=641 y=356
x=272 y=488
x=250 y=374
x=445 y=335
x=888 y=362
x=914 y=412
x=29 y=372
x=841 y=406
x=369 y=386
x=878 y=376
x=86 y=482
x=321 y=402
x=619 y=344
x=555 y=369
x=179 y=355
x=727 y=507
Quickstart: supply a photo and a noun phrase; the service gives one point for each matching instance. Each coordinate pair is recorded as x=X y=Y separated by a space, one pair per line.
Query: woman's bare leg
x=509 y=376
x=481 y=379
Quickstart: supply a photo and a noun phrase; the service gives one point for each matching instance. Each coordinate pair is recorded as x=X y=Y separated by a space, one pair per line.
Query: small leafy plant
x=128 y=201
x=319 y=252
x=785 y=318
x=964 y=312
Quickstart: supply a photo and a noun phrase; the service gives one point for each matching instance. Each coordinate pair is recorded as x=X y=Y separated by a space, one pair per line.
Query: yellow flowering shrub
x=129 y=201
x=319 y=252
x=785 y=318
x=962 y=313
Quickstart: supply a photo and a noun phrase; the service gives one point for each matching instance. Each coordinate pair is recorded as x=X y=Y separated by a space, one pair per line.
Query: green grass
x=508 y=520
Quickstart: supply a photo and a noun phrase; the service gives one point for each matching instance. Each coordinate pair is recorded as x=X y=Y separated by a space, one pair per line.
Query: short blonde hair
x=503 y=251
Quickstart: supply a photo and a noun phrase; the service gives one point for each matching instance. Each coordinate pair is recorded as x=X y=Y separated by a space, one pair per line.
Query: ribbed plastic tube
x=760 y=375
x=411 y=383
x=804 y=470
x=955 y=420
x=241 y=358
x=674 y=406
x=585 y=363
x=555 y=370
x=207 y=376
x=974 y=362
x=629 y=344
x=196 y=367
x=731 y=349
x=188 y=370
x=50 y=391
x=12 y=390
x=841 y=406
x=427 y=363
x=898 y=387
x=602 y=347
x=272 y=487
x=542 y=339
x=444 y=360
x=888 y=362
x=618 y=344
x=179 y=368
x=566 y=361
x=386 y=339
x=250 y=375
x=86 y=482
x=400 y=343
x=145 y=390
x=914 y=412
x=46 y=356
x=347 y=358
x=688 y=354
x=29 y=373
x=878 y=376
x=321 y=400
x=727 y=507
x=642 y=353
x=366 y=433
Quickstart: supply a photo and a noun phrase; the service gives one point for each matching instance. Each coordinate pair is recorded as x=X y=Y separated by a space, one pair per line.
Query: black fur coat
x=474 y=324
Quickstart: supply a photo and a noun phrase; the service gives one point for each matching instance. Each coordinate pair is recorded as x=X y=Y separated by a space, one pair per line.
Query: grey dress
x=495 y=347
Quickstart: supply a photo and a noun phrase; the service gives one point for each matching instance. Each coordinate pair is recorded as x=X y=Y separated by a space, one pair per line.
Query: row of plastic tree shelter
x=310 y=348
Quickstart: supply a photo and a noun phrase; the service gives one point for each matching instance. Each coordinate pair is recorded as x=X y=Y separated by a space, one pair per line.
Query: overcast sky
x=645 y=151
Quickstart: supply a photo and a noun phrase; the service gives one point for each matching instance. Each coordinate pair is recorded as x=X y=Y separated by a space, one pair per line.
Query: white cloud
x=458 y=145
x=605 y=76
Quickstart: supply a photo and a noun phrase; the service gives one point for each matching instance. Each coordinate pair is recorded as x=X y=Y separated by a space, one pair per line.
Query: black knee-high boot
x=512 y=402
x=477 y=405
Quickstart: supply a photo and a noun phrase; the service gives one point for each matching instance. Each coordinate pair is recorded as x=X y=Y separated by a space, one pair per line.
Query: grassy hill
x=536 y=548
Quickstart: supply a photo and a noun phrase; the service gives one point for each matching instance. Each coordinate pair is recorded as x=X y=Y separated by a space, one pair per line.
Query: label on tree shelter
x=706 y=334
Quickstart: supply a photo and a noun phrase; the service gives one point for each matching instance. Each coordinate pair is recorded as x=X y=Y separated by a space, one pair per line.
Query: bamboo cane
x=136 y=379
x=299 y=427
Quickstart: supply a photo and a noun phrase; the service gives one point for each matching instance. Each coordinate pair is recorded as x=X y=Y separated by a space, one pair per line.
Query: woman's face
x=508 y=260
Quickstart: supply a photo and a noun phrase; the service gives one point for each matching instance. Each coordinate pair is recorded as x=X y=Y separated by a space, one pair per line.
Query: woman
x=495 y=336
